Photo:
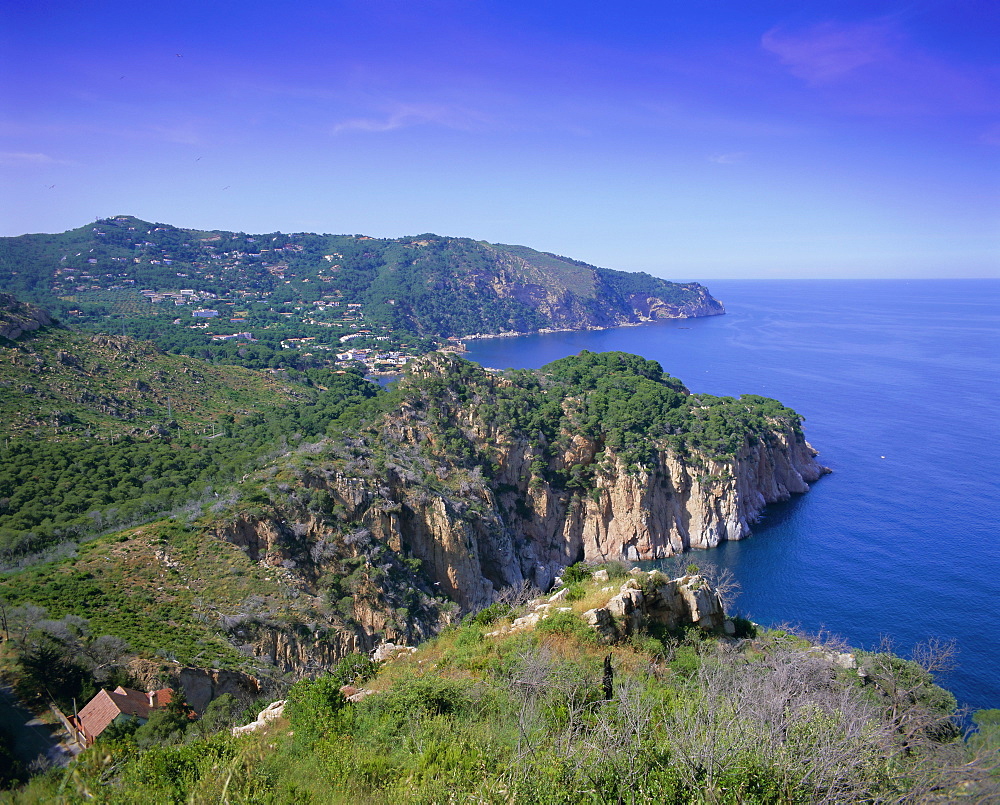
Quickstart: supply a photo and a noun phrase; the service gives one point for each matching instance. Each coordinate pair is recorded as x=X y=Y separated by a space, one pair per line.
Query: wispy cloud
x=406 y=115
x=875 y=68
x=829 y=51
x=26 y=158
x=728 y=159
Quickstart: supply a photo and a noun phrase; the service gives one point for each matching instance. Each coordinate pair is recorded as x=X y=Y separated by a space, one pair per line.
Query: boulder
x=704 y=607
x=603 y=623
x=390 y=651
x=627 y=606
x=268 y=714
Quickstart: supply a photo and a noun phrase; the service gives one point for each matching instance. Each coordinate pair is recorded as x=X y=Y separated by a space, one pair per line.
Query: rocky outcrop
x=382 y=600
x=200 y=685
x=642 y=600
x=631 y=514
x=18 y=318
x=560 y=294
x=273 y=711
x=390 y=651
x=658 y=600
x=301 y=656
x=651 y=308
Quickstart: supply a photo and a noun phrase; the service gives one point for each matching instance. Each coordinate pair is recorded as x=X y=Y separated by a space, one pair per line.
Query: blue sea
x=899 y=384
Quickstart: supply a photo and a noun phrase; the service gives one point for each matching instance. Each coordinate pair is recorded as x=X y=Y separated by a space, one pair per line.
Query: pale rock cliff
x=666 y=602
x=18 y=318
x=517 y=527
x=199 y=685
x=398 y=498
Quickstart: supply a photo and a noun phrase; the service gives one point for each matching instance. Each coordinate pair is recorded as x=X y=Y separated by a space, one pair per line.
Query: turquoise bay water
x=899 y=382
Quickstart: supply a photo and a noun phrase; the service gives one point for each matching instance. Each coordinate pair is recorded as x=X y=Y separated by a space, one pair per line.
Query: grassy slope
x=58 y=382
x=561 y=274
x=523 y=718
x=163 y=588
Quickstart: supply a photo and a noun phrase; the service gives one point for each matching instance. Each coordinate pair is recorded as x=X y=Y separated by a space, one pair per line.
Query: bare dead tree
x=517 y=596
x=725 y=583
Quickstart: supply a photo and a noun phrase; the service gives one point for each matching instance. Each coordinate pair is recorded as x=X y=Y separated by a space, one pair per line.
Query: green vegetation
x=553 y=716
x=57 y=383
x=281 y=534
x=623 y=403
x=164 y=590
x=92 y=474
x=300 y=285
x=278 y=467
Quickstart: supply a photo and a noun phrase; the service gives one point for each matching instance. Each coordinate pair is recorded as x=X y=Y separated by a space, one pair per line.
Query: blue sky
x=691 y=140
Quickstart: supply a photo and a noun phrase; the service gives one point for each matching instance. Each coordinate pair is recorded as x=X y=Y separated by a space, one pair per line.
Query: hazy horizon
x=787 y=140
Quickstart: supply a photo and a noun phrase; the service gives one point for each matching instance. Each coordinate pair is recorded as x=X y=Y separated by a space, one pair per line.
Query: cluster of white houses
x=185 y=296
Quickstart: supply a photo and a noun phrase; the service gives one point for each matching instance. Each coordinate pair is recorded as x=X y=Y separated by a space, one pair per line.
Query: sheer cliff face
x=484 y=505
x=641 y=514
x=528 y=528
x=568 y=295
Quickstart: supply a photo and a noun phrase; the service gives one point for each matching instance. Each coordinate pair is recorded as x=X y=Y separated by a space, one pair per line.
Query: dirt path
x=31 y=737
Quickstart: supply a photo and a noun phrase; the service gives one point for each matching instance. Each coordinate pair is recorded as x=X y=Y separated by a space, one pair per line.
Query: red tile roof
x=106 y=706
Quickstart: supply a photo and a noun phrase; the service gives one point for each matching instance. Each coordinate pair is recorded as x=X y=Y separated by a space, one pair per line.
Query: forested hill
x=426 y=284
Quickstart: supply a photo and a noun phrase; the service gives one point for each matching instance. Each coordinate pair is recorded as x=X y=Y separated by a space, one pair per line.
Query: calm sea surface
x=899 y=382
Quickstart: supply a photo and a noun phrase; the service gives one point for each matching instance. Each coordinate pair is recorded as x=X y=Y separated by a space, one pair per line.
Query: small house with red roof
x=118 y=705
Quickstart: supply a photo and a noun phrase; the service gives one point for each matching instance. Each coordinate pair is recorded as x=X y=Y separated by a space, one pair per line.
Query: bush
x=313 y=706
x=616 y=570
x=221 y=713
x=420 y=697
x=686 y=660
x=567 y=623
x=354 y=669
x=647 y=644
x=987 y=735
x=652 y=582
x=167 y=725
x=576 y=573
x=491 y=614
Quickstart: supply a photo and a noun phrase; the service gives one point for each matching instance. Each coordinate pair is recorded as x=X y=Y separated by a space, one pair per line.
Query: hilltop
x=424 y=285
x=60 y=382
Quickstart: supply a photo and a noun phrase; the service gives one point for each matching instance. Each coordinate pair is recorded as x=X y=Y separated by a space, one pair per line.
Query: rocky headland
x=452 y=496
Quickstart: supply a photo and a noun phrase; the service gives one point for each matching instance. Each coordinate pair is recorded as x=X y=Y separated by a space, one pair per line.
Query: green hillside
x=342 y=516
x=555 y=714
x=59 y=383
x=425 y=285
x=102 y=432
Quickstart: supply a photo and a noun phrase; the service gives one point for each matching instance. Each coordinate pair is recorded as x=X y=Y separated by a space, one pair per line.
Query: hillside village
x=234 y=298
x=406 y=295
